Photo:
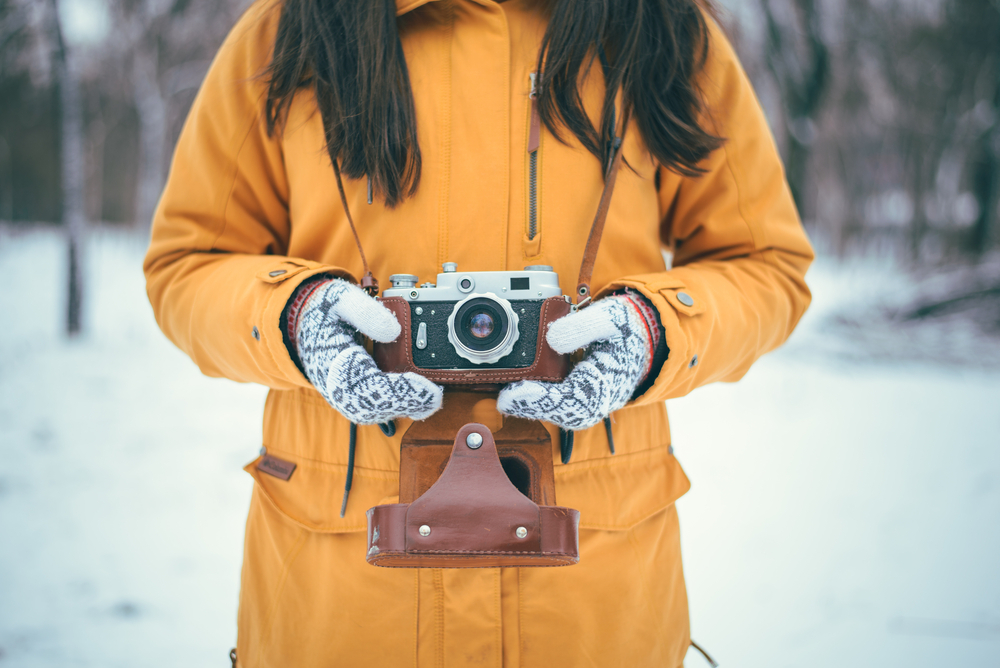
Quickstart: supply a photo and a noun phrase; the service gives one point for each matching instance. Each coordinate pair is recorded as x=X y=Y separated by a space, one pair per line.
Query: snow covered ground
x=844 y=512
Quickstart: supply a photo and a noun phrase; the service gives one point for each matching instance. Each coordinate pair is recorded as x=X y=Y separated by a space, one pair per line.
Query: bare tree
x=169 y=44
x=73 y=169
x=986 y=174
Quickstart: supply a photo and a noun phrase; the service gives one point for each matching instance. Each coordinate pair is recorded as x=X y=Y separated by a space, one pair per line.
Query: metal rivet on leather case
x=474 y=440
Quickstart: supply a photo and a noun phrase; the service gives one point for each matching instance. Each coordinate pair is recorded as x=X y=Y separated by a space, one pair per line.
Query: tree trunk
x=6 y=183
x=985 y=184
x=799 y=62
x=73 y=172
x=152 y=111
x=986 y=234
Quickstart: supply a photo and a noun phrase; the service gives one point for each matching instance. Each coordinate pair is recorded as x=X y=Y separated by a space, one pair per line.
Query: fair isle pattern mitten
x=618 y=359
x=342 y=371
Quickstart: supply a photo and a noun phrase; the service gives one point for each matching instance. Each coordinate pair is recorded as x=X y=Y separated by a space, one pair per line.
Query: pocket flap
x=616 y=493
x=313 y=494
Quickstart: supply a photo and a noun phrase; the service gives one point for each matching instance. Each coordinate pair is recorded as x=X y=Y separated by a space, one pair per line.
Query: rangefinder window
x=520 y=283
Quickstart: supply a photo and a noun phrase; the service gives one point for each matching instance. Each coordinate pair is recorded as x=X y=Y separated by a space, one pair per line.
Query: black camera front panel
x=440 y=354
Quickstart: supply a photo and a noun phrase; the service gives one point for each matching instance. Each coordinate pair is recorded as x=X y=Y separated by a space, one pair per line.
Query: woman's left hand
x=619 y=358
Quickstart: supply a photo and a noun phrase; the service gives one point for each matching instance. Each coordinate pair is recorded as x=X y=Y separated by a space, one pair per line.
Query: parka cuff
x=674 y=302
x=284 y=276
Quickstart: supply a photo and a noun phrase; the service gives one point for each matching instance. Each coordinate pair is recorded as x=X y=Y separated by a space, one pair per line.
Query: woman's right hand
x=343 y=372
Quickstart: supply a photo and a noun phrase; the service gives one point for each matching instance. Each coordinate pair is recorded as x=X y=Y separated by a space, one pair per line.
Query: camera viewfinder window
x=519 y=284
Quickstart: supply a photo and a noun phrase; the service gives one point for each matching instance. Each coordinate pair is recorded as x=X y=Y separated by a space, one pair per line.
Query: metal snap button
x=424 y=530
x=521 y=532
x=474 y=440
x=685 y=298
x=277 y=272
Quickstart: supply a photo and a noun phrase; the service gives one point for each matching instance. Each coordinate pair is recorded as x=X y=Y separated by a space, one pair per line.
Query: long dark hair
x=349 y=53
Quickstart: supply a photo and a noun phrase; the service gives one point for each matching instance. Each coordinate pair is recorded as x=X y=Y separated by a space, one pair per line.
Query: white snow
x=843 y=513
x=122 y=501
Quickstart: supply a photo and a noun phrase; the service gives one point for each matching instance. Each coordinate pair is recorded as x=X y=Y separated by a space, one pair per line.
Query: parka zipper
x=534 y=141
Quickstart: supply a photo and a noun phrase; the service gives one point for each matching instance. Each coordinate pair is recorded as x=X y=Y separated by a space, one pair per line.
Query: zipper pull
x=535 y=134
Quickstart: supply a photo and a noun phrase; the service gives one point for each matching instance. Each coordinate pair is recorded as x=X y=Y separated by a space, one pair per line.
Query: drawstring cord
x=350 y=467
x=710 y=660
x=607 y=430
x=388 y=428
x=567 y=437
x=566 y=445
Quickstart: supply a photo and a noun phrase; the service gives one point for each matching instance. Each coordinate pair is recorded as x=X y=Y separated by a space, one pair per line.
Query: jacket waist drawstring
x=352 y=446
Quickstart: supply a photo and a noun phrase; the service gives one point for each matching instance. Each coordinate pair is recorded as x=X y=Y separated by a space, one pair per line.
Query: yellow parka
x=245 y=218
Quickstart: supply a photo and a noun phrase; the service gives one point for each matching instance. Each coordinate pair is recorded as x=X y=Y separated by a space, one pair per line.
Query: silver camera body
x=475 y=319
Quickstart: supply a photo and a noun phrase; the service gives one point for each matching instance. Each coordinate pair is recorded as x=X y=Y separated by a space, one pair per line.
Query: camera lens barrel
x=483 y=328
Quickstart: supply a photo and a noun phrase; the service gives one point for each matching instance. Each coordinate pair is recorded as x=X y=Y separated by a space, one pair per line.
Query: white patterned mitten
x=619 y=357
x=343 y=372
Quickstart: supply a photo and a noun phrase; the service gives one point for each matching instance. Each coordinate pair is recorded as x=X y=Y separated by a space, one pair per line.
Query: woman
x=427 y=106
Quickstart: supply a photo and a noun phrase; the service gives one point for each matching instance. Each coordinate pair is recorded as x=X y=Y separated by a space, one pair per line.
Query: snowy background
x=845 y=512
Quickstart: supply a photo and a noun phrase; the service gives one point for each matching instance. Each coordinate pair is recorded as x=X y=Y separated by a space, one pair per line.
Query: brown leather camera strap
x=368 y=282
x=597 y=228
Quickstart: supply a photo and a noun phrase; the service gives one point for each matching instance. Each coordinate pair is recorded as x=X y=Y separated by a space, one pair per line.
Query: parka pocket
x=616 y=493
x=312 y=495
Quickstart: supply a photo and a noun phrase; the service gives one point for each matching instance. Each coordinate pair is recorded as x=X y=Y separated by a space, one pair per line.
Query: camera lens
x=481 y=325
x=483 y=328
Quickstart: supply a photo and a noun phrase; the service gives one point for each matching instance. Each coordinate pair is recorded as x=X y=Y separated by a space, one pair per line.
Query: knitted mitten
x=618 y=359
x=325 y=333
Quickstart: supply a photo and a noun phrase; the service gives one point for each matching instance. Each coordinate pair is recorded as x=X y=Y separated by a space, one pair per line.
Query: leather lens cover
x=472 y=517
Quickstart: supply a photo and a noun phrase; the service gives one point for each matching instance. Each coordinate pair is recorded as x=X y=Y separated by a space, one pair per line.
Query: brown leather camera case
x=397 y=357
x=473 y=516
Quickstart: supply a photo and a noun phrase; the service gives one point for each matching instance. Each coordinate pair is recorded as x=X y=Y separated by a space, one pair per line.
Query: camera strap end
x=369 y=284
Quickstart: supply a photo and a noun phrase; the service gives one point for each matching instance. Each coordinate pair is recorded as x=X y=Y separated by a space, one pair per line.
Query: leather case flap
x=473 y=516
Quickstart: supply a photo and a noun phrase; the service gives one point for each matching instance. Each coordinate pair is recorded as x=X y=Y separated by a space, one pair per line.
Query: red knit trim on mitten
x=651 y=340
x=295 y=307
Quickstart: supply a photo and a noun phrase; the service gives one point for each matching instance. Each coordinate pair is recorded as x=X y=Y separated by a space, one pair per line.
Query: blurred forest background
x=887 y=113
x=845 y=503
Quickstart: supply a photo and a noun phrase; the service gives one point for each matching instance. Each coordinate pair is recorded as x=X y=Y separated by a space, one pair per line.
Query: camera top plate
x=535 y=282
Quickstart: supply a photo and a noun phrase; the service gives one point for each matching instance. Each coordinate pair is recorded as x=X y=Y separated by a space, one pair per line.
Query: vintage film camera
x=474 y=331
x=476 y=328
